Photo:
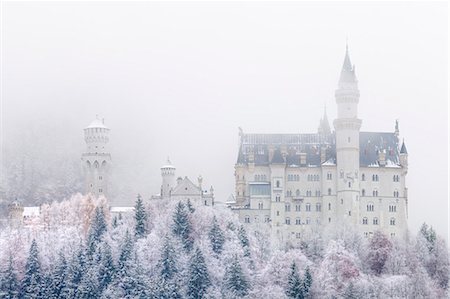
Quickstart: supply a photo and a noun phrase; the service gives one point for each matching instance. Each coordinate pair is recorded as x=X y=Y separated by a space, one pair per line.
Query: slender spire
x=324 y=126
x=348 y=70
x=403 y=149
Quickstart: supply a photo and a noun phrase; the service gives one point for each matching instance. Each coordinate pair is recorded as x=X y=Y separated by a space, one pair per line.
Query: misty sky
x=178 y=79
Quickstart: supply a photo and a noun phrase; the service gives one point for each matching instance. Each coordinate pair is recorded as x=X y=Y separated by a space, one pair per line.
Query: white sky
x=178 y=79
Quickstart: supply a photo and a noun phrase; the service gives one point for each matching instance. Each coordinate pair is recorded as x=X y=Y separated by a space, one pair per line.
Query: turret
x=168 y=179
x=96 y=159
x=404 y=156
x=15 y=213
x=347 y=126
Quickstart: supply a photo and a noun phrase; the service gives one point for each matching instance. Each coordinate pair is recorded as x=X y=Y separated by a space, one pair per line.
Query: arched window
x=395 y=193
x=375 y=221
x=247 y=219
x=364 y=220
x=297 y=208
x=392 y=208
x=278 y=184
x=349 y=184
x=329 y=191
x=329 y=206
x=298 y=221
x=392 y=221
x=277 y=198
x=308 y=207
x=308 y=221
x=363 y=192
x=370 y=207
x=363 y=177
x=329 y=176
x=375 y=192
x=297 y=193
x=342 y=201
x=318 y=207
x=260 y=205
x=288 y=221
x=287 y=207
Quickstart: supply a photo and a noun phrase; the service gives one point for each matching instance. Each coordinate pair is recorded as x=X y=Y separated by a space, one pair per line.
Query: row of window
x=316 y=177
x=298 y=193
x=365 y=220
x=371 y=208
x=287 y=207
x=375 y=193
x=260 y=178
x=293 y=177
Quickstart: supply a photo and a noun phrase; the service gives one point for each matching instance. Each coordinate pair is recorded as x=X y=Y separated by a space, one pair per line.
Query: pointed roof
x=403 y=150
x=168 y=164
x=324 y=127
x=348 y=71
x=277 y=157
x=241 y=158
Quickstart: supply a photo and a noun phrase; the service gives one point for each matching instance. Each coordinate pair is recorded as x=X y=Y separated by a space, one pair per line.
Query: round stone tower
x=168 y=179
x=15 y=213
x=347 y=126
x=96 y=159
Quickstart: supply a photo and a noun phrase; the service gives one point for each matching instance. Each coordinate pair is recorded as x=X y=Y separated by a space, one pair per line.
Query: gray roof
x=370 y=143
x=403 y=149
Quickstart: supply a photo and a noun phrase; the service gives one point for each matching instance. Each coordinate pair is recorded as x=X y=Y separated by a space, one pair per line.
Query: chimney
x=303 y=158
x=382 y=157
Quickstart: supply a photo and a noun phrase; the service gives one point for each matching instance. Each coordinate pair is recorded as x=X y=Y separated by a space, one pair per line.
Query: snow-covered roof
x=97 y=123
x=31 y=211
x=121 y=209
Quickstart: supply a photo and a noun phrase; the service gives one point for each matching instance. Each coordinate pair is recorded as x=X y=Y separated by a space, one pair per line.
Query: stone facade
x=298 y=183
x=183 y=189
x=96 y=159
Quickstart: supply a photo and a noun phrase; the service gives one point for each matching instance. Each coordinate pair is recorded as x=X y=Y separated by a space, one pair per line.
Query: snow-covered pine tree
x=77 y=268
x=199 y=280
x=429 y=234
x=350 y=292
x=107 y=270
x=235 y=281
x=242 y=235
x=167 y=261
x=216 y=237
x=182 y=226
x=295 y=286
x=190 y=206
x=307 y=282
x=9 y=285
x=58 y=279
x=32 y=282
x=126 y=251
x=140 y=216
x=97 y=229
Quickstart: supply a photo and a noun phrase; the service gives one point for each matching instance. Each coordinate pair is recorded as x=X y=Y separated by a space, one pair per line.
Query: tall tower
x=168 y=179
x=347 y=126
x=96 y=159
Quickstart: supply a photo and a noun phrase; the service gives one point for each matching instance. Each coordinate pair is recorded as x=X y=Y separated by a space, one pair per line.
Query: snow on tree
x=107 y=270
x=379 y=249
x=235 y=280
x=295 y=286
x=189 y=206
x=242 y=235
x=32 y=281
x=9 y=285
x=182 y=226
x=336 y=270
x=97 y=229
x=58 y=279
x=140 y=216
x=216 y=237
x=167 y=262
x=198 y=281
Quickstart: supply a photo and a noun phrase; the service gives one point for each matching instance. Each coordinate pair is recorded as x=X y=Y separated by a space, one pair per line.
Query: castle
x=183 y=189
x=297 y=182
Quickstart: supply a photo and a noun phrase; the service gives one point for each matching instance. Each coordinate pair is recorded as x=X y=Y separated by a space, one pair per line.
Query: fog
x=178 y=79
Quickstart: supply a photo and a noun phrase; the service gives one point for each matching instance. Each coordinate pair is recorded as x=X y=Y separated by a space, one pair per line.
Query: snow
x=121 y=209
x=31 y=212
x=97 y=123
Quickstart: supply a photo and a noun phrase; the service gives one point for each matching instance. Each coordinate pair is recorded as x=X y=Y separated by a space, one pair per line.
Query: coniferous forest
x=164 y=249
